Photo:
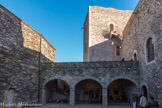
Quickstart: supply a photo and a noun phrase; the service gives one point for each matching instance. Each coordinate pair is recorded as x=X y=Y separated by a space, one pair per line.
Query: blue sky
x=60 y=21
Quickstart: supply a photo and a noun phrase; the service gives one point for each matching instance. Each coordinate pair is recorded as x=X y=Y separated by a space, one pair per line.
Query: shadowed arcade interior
x=121 y=91
x=88 y=91
x=57 y=91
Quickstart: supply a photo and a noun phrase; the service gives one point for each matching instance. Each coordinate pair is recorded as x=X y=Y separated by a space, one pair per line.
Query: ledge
x=104 y=64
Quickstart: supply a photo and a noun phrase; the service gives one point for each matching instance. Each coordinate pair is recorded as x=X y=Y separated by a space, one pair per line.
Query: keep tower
x=103 y=33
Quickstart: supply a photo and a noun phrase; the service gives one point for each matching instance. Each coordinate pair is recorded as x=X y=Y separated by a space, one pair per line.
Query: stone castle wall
x=19 y=56
x=100 y=46
x=146 y=23
x=102 y=72
x=31 y=40
x=20 y=49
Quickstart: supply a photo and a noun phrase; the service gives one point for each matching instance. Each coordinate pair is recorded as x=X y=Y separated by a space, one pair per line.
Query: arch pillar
x=72 y=96
x=44 y=96
x=138 y=90
x=104 y=97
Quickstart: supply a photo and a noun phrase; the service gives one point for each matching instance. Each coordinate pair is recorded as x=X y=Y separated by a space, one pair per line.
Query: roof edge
x=26 y=24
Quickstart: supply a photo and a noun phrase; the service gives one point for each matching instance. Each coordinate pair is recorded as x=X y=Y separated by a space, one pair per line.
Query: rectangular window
x=117 y=50
x=150 y=50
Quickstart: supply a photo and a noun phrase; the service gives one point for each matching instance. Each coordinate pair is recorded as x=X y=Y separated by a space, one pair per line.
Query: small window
x=135 y=56
x=111 y=27
x=117 y=50
x=150 y=50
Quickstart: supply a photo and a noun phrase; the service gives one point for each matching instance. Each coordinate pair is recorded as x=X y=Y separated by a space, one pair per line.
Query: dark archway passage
x=88 y=91
x=121 y=90
x=57 y=91
x=144 y=91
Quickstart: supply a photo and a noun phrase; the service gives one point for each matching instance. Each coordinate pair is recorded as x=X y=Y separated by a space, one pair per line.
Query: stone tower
x=103 y=33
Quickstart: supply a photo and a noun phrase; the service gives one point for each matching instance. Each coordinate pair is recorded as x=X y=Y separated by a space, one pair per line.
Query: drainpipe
x=39 y=69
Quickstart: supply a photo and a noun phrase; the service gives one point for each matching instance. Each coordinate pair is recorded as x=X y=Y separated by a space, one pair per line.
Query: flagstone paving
x=83 y=106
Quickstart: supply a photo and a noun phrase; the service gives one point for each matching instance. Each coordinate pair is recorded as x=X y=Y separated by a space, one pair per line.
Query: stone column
x=44 y=96
x=104 y=97
x=72 y=96
x=138 y=91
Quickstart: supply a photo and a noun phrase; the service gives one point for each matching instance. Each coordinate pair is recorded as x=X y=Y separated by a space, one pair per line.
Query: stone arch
x=54 y=78
x=145 y=87
x=145 y=84
x=56 y=90
x=126 y=78
x=88 y=90
x=97 y=80
x=144 y=91
x=121 y=90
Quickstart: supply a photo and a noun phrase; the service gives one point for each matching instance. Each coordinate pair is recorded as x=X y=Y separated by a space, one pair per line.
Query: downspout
x=39 y=69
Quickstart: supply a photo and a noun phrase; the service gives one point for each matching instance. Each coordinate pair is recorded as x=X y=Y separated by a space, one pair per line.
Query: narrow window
x=135 y=57
x=150 y=50
x=117 y=50
x=111 y=27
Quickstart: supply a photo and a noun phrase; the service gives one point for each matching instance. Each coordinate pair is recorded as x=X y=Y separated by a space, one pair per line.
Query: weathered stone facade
x=104 y=29
x=19 y=57
x=102 y=72
x=97 y=33
x=146 y=23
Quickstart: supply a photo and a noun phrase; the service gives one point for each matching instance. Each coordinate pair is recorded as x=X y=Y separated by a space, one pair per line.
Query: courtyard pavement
x=83 y=106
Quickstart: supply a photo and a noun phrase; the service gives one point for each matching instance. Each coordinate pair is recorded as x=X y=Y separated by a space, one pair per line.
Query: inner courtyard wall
x=146 y=22
x=102 y=72
x=20 y=48
x=19 y=56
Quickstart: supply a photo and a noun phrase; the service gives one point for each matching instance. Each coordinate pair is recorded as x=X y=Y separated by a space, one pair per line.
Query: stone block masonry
x=144 y=24
x=98 y=44
x=104 y=29
x=19 y=56
x=102 y=72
